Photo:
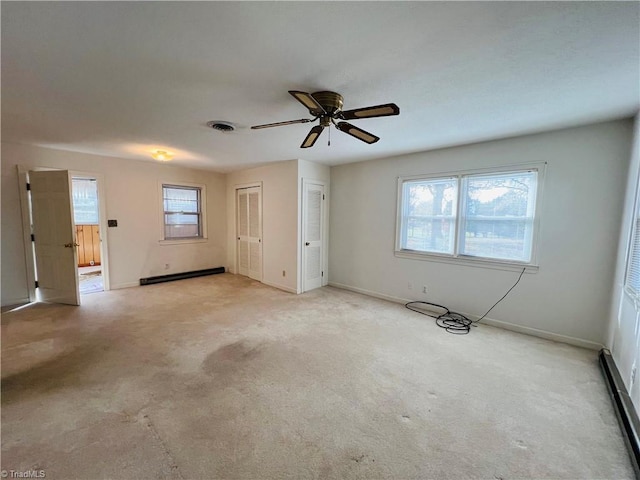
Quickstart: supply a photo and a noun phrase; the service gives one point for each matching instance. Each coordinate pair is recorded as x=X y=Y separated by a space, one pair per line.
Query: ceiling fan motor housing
x=330 y=101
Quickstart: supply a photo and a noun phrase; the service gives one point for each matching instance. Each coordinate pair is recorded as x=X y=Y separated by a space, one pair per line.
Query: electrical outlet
x=284 y=273
x=424 y=289
x=166 y=266
x=410 y=286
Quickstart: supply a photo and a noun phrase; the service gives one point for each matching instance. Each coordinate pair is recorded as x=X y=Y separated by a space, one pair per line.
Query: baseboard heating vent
x=180 y=276
x=623 y=406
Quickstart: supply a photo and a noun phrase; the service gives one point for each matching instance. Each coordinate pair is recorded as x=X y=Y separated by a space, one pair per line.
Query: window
x=182 y=206
x=474 y=216
x=85 y=201
x=632 y=277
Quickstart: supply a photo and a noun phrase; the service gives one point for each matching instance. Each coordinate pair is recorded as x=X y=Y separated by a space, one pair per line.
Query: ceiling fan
x=327 y=107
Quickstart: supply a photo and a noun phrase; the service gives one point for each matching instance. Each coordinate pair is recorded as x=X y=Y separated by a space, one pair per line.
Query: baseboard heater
x=180 y=276
x=623 y=406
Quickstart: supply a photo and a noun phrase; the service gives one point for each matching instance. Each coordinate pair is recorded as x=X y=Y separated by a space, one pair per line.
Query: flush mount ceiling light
x=224 y=127
x=161 y=155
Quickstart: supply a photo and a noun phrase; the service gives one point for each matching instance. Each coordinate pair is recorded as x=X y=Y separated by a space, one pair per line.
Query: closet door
x=243 y=231
x=249 y=227
x=255 y=233
x=313 y=235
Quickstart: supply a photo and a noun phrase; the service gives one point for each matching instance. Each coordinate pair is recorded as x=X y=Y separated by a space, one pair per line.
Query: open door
x=54 y=236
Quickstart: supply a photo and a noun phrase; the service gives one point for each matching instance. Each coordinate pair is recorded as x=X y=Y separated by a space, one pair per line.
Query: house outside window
x=476 y=216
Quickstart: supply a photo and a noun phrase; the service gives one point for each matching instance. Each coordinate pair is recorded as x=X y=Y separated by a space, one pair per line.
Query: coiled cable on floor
x=454 y=322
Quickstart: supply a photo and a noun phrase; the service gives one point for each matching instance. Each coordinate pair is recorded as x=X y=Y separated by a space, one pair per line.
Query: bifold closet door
x=249 y=227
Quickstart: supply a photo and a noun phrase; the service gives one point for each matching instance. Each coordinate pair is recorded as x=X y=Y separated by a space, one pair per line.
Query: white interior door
x=243 y=231
x=249 y=224
x=54 y=234
x=312 y=225
x=255 y=233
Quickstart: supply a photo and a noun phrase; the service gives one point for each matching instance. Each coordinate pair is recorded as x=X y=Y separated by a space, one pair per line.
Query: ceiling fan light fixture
x=161 y=155
x=326 y=107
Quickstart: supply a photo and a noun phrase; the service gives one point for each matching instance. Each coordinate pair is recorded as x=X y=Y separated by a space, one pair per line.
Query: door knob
x=307 y=244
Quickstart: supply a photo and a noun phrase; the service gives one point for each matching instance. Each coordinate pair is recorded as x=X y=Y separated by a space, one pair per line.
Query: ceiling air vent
x=224 y=127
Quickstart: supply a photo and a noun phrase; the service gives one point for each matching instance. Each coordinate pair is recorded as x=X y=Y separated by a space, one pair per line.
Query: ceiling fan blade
x=385 y=110
x=357 y=132
x=312 y=136
x=308 y=101
x=279 y=124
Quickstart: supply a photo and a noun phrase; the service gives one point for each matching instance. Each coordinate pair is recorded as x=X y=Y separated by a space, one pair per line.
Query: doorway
x=249 y=231
x=53 y=269
x=86 y=215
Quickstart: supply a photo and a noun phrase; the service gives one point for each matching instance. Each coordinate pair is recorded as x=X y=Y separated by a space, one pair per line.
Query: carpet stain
x=231 y=357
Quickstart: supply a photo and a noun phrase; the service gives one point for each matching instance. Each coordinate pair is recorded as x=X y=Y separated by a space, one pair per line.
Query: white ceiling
x=124 y=78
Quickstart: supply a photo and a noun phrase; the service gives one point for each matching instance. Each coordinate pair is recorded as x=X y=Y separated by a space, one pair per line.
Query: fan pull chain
x=329 y=142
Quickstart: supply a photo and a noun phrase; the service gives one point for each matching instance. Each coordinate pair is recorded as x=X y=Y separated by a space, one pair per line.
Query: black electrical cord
x=453 y=322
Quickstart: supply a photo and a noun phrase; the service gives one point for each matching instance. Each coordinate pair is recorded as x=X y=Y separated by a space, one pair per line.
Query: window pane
x=498 y=215
x=181 y=218
x=178 y=199
x=428 y=215
x=181 y=231
x=85 y=201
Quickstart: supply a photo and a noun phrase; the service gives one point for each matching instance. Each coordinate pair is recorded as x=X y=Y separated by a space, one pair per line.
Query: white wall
x=279 y=220
x=312 y=171
x=133 y=198
x=568 y=298
x=624 y=333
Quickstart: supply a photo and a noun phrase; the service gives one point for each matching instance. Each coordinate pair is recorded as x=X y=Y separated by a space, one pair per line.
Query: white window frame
x=203 y=213
x=456 y=257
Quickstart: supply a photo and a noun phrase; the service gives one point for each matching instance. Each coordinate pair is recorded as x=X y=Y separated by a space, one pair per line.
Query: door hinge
x=33 y=237
x=28 y=186
x=322 y=274
x=323 y=196
x=36 y=282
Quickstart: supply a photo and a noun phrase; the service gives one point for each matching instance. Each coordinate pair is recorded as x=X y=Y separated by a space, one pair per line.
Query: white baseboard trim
x=535 y=332
x=280 y=287
x=124 y=285
x=15 y=301
x=370 y=293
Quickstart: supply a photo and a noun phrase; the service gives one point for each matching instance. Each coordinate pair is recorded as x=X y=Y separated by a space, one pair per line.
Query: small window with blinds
x=632 y=278
x=182 y=211
x=470 y=216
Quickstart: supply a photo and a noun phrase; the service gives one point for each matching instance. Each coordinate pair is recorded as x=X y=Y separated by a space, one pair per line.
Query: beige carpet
x=222 y=377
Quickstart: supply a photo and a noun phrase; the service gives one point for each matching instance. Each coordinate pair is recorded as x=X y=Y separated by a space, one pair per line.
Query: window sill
x=183 y=241
x=469 y=261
